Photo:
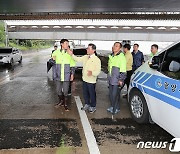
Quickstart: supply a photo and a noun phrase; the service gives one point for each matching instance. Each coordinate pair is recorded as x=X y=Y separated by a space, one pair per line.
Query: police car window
x=172 y=59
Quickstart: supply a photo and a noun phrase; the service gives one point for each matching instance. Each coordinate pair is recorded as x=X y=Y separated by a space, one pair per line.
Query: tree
x=2 y=32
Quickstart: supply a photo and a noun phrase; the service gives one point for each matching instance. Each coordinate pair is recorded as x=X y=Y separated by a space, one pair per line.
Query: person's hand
x=54 y=58
x=69 y=51
x=89 y=73
x=120 y=83
x=72 y=77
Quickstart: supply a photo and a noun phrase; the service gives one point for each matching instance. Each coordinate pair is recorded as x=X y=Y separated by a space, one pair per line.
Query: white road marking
x=90 y=138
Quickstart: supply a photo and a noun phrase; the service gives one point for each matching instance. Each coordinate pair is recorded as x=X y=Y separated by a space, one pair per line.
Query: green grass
x=25 y=48
x=2 y=44
x=62 y=149
x=22 y=48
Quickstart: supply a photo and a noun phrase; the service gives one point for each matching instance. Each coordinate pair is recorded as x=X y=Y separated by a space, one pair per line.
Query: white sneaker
x=85 y=107
x=92 y=109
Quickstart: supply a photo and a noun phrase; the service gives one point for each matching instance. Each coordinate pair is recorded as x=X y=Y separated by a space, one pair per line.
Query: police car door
x=166 y=91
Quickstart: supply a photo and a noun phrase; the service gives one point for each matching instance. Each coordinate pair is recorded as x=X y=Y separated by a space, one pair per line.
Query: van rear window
x=5 y=50
x=79 y=52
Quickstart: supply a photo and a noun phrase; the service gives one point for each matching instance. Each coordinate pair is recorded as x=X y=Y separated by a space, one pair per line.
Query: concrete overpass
x=108 y=36
x=110 y=30
x=139 y=10
x=92 y=9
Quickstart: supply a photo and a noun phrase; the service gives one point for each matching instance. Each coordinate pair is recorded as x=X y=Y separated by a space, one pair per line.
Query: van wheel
x=138 y=107
x=20 y=61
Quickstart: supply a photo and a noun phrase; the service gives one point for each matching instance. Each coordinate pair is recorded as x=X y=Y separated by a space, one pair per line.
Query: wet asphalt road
x=28 y=118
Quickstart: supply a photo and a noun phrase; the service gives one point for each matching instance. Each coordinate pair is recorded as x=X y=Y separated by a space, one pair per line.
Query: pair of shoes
x=110 y=109
x=57 y=105
x=85 y=107
x=66 y=108
x=117 y=110
x=65 y=103
x=92 y=109
x=61 y=100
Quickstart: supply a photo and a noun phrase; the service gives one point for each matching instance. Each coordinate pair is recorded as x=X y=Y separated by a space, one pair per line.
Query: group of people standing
x=121 y=64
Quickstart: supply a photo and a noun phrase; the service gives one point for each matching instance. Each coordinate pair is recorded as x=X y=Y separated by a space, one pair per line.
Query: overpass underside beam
x=138 y=36
x=116 y=15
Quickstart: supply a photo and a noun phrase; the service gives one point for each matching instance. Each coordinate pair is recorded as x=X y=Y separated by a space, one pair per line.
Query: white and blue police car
x=154 y=91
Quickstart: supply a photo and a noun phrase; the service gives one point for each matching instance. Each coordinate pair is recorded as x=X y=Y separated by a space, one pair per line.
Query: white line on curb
x=91 y=141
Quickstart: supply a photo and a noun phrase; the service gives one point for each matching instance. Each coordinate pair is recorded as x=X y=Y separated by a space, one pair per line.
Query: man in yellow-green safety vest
x=65 y=68
x=154 y=50
x=116 y=76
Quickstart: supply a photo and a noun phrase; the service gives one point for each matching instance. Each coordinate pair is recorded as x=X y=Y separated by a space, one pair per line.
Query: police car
x=154 y=92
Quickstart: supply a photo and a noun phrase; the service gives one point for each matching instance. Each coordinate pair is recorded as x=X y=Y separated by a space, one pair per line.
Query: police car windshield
x=3 y=50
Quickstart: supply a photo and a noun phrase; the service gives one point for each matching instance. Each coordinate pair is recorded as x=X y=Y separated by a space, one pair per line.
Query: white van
x=10 y=55
x=154 y=91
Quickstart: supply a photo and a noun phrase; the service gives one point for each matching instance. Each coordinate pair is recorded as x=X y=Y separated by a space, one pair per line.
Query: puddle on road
x=31 y=133
x=127 y=131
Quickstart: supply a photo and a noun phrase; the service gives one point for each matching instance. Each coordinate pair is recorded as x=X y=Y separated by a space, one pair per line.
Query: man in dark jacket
x=138 y=57
x=54 y=66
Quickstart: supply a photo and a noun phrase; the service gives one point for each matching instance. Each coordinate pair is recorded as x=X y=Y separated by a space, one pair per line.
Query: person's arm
x=97 y=70
x=122 y=76
x=78 y=59
x=54 y=55
x=122 y=73
x=72 y=66
x=142 y=58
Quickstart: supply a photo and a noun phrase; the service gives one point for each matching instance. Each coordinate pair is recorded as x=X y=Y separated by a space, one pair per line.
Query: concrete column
x=6 y=35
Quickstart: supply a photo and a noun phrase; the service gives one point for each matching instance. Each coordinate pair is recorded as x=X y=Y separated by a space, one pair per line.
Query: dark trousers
x=89 y=93
x=114 y=95
x=69 y=91
x=128 y=78
x=54 y=72
x=62 y=87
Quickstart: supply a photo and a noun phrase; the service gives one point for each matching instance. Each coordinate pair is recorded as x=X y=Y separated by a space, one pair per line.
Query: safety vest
x=64 y=65
x=118 y=61
x=152 y=55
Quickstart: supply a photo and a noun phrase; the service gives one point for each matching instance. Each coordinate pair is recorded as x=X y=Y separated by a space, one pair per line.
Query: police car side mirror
x=155 y=62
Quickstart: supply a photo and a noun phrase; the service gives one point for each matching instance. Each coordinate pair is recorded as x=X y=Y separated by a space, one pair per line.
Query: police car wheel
x=138 y=107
